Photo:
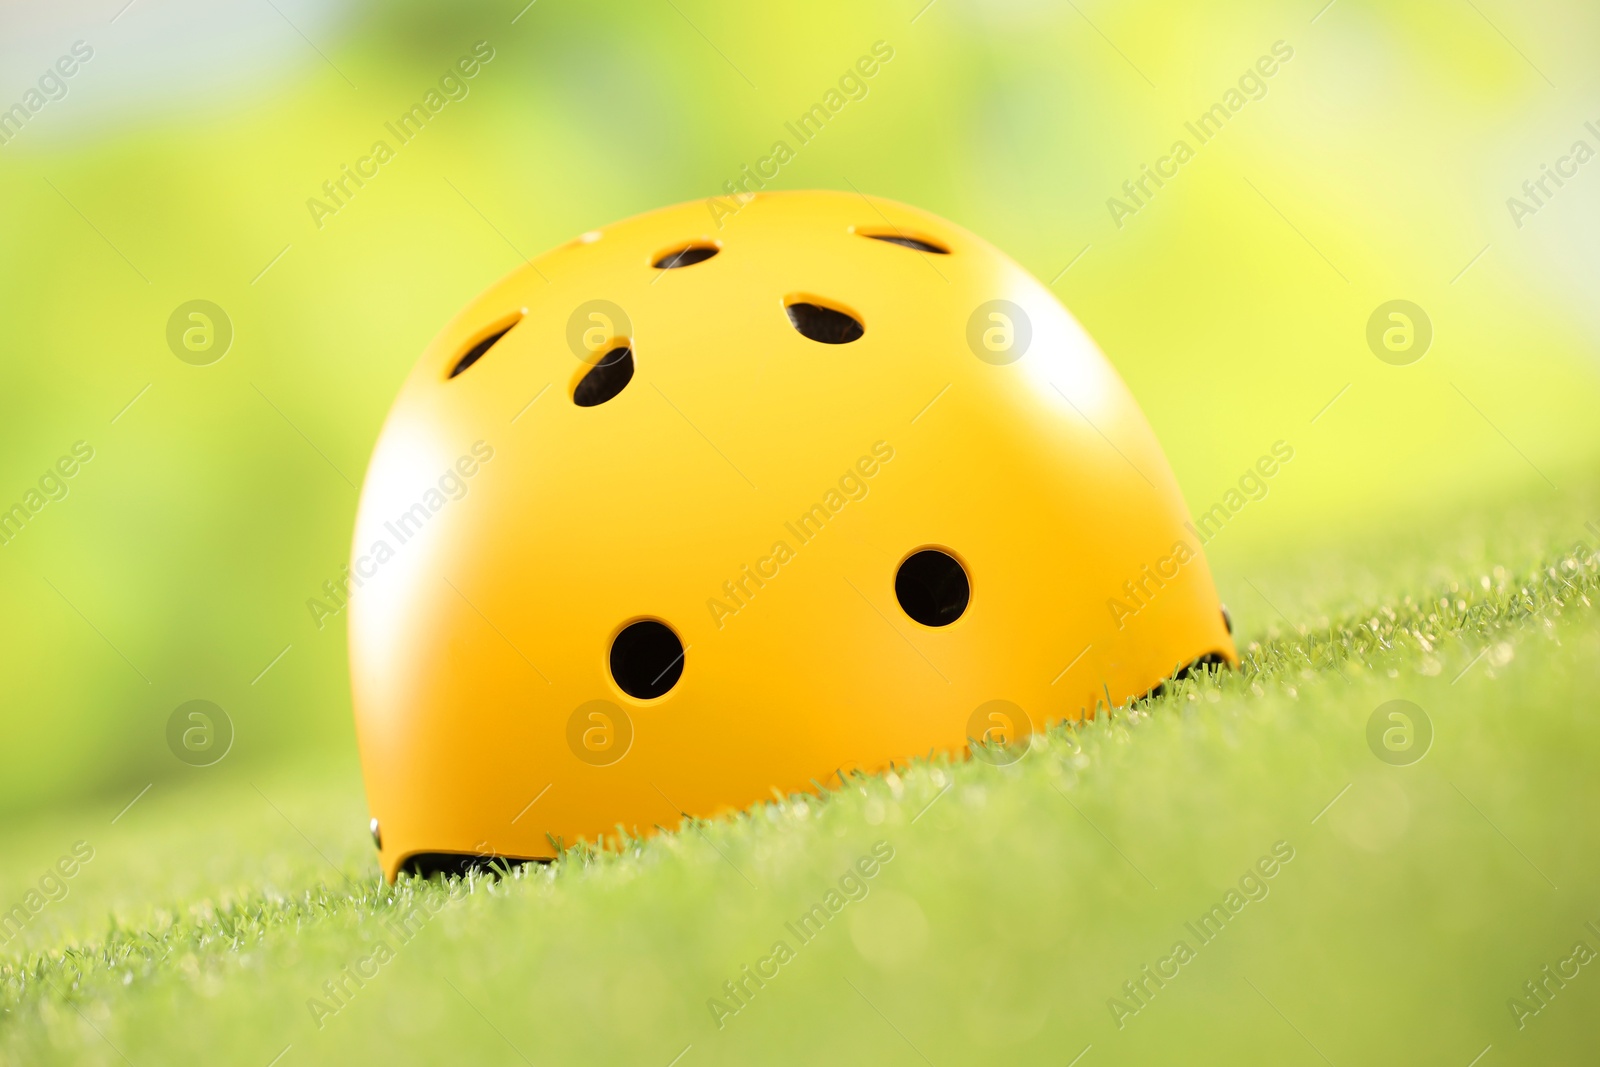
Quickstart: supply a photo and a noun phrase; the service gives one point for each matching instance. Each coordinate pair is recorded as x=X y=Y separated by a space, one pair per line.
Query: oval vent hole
x=909 y=242
x=605 y=379
x=475 y=353
x=932 y=588
x=824 y=324
x=687 y=256
x=647 y=659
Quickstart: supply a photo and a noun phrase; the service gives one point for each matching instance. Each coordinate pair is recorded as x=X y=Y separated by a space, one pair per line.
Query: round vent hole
x=932 y=587
x=646 y=659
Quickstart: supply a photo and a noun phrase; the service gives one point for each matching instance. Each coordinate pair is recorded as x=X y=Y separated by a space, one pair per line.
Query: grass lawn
x=1360 y=911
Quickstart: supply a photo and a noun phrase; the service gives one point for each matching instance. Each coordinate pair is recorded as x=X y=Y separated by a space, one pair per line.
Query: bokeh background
x=178 y=165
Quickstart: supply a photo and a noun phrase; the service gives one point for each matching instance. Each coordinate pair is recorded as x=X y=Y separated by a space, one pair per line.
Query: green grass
x=1017 y=902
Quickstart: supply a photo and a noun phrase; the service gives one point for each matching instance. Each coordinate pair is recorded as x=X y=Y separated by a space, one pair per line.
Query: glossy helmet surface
x=678 y=514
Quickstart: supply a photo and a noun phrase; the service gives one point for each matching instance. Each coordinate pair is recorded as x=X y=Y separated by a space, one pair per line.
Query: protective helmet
x=725 y=499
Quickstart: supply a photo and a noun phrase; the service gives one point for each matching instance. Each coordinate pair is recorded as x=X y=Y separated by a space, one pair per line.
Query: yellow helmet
x=723 y=499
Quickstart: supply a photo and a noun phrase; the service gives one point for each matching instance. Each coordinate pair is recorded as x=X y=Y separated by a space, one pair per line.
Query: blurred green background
x=1376 y=166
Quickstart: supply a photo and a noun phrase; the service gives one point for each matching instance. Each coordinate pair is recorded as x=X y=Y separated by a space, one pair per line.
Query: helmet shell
x=756 y=491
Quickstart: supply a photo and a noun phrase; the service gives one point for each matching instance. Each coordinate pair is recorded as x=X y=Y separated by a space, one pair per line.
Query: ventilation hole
x=909 y=242
x=646 y=659
x=605 y=379
x=687 y=256
x=824 y=324
x=459 y=864
x=475 y=353
x=1227 y=619
x=932 y=588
